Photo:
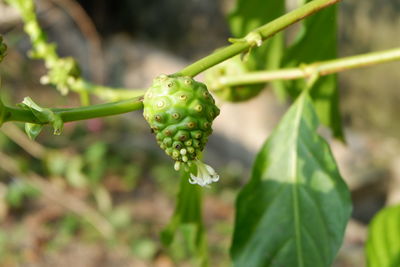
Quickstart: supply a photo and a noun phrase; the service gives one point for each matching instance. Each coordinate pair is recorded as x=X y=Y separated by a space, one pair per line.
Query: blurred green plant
x=383 y=244
x=185 y=234
x=294 y=209
x=2 y=112
x=3 y=49
x=18 y=191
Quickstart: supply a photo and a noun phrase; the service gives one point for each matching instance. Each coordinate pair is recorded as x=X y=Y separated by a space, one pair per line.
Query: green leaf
x=251 y=14
x=383 y=243
x=185 y=230
x=317 y=41
x=44 y=115
x=33 y=130
x=295 y=208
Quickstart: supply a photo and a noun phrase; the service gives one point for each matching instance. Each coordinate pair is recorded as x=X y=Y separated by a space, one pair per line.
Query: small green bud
x=63 y=73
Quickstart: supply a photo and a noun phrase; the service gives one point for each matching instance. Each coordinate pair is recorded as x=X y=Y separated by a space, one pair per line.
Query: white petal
x=195 y=180
x=215 y=178
x=210 y=169
x=192 y=179
x=205 y=175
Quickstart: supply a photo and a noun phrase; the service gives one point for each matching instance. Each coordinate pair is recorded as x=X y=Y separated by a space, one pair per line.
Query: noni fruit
x=180 y=112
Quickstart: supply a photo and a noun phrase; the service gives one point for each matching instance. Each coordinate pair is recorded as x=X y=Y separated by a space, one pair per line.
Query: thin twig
x=264 y=32
x=306 y=71
x=19 y=137
x=76 y=114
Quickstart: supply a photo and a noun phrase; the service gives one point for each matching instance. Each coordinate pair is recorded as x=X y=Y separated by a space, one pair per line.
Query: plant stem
x=63 y=73
x=305 y=71
x=105 y=93
x=46 y=51
x=264 y=31
x=80 y=113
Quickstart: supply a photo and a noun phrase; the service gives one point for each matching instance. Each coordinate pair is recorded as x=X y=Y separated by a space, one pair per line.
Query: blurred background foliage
x=100 y=194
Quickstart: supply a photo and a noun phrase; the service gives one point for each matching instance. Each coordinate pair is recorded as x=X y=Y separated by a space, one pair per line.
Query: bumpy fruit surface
x=180 y=112
x=232 y=67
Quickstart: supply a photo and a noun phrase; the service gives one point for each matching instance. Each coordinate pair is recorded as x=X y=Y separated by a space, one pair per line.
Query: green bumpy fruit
x=232 y=67
x=180 y=112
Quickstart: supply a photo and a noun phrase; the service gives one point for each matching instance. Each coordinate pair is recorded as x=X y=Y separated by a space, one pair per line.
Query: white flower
x=205 y=174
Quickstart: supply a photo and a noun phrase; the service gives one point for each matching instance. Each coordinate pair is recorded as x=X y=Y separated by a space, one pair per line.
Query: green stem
x=61 y=72
x=306 y=71
x=109 y=93
x=46 y=51
x=85 y=98
x=264 y=31
x=80 y=113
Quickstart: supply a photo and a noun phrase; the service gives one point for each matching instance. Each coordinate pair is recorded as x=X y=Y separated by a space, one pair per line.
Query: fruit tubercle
x=180 y=112
x=205 y=173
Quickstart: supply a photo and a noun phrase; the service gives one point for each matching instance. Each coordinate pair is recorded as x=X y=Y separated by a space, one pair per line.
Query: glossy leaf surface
x=295 y=208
